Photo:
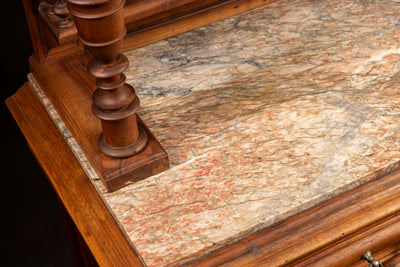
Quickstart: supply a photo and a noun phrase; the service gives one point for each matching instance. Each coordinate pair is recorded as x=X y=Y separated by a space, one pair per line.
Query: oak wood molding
x=90 y=214
x=135 y=11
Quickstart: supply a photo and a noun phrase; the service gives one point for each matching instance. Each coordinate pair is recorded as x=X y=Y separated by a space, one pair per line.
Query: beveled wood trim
x=90 y=214
x=334 y=233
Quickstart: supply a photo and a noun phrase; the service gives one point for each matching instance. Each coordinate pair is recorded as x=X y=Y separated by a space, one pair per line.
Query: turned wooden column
x=60 y=9
x=101 y=29
x=49 y=10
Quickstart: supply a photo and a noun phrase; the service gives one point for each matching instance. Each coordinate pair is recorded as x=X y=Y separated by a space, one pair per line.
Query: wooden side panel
x=37 y=42
x=80 y=251
x=88 y=211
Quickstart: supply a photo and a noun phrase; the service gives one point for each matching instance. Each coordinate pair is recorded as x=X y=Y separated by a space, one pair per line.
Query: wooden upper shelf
x=139 y=14
x=147 y=21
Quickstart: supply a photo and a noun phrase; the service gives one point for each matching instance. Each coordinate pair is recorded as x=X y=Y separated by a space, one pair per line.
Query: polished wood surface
x=79 y=249
x=60 y=25
x=46 y=47
x=142 y=14
x=334 y=233
x=101 y=28
x=99 y=229
x=183 y=22
x=70 y=87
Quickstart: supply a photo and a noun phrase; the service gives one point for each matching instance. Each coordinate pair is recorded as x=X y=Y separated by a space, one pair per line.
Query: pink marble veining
x=263 y=115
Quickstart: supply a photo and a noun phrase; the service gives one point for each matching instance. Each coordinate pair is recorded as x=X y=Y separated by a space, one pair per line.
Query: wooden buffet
x=334 y=233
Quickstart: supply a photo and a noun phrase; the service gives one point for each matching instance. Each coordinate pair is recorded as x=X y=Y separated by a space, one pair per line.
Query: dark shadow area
x=33 y=229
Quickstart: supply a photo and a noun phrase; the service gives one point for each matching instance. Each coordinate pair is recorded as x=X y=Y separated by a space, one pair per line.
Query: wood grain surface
x=99 y=229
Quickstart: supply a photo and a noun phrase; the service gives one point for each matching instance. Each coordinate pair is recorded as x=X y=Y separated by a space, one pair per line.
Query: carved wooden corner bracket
x=101 y=28
x=56 y=16
x=61 y=10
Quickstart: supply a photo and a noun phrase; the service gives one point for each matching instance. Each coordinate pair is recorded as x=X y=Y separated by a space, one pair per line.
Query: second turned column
x=101 y=29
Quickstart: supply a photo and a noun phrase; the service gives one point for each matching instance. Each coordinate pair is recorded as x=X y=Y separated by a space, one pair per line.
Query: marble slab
x=263 y=115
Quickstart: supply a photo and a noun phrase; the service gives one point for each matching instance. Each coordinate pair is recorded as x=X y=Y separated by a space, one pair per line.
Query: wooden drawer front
x=382 y=239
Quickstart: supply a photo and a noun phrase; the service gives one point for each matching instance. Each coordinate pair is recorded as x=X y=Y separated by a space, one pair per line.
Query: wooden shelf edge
x=147 y=22
x=311 y=236
x=160 y=30
x=89 y=212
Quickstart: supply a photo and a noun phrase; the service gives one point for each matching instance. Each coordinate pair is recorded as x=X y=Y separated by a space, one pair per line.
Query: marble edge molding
x=74 y=147
x=64 y=131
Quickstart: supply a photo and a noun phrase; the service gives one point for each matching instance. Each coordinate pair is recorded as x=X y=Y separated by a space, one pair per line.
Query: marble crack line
x=240 y=203
x=186 y=163
x=193 y=189
x=391 y=132
x=178 y=205
x=376 y=57
x=190 y=179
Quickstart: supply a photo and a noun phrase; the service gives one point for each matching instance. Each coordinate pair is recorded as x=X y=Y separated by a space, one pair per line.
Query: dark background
x=33 y=229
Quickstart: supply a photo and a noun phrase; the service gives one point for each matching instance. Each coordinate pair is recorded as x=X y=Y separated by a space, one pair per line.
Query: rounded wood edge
x=123 y=152
x=321 y=230
x=95 y=222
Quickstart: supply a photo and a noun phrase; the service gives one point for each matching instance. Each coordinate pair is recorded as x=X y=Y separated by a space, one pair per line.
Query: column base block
x=69 y=88
x=151 y=160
